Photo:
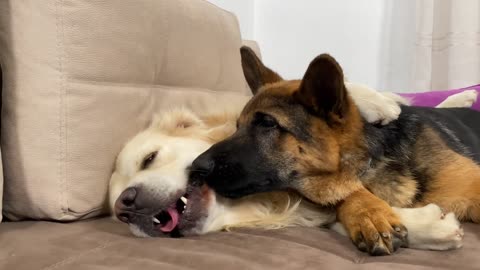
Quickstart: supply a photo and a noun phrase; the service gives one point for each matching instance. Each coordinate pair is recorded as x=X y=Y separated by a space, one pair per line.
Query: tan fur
x=272 y=210
x=212 y=127
x=312 y=160
x=268 y=210
x=331 y=188
x=275 y=210
x=338 y=180
x=456 y=187
x=365 y=216
x=402 y=194
x=326 y=168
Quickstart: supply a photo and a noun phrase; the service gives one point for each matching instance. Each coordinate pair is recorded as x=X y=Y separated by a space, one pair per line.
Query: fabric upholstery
x=81 y=77
x=104 y=244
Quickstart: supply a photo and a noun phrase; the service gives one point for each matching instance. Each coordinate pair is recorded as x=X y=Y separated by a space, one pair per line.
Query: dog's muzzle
x=202 y=167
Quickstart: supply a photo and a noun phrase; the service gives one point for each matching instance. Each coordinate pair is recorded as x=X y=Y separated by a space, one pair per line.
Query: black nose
x=125 y=204
x=201 y=168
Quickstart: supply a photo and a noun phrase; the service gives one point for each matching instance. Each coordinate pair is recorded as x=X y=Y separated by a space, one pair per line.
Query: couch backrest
x=81 y=77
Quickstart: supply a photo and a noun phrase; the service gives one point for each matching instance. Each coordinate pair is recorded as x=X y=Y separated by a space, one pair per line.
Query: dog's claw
x=379 y=251
x=362 y=247
x=380 y=243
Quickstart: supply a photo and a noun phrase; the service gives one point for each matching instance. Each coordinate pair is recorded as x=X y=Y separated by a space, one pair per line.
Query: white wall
x=292 y=33
x=373 y=40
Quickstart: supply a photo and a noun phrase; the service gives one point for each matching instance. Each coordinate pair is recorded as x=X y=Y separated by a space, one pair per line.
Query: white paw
x=374 y=106
x=464 y=99
x=384 y=114
x=430 y=228
x=470 y=97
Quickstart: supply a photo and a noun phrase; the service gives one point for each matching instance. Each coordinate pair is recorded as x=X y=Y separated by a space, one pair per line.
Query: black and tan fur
x=308 y=135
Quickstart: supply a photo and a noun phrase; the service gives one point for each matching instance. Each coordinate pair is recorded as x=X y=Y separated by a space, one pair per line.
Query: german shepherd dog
x=307 y=135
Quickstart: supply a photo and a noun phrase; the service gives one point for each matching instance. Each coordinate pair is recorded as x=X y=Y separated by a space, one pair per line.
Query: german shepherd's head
x=299 y=134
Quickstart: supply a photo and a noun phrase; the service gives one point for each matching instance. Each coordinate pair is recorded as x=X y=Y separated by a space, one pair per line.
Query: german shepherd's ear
x=256 y=74
x=322 y=90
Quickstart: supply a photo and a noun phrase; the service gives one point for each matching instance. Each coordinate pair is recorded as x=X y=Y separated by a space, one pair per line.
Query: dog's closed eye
x=265 y=120
x=148 y=160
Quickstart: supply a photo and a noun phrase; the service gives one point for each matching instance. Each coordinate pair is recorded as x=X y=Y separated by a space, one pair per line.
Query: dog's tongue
x=172 y=223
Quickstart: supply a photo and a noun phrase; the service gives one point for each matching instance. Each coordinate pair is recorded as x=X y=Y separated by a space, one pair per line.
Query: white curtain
x=447 y=44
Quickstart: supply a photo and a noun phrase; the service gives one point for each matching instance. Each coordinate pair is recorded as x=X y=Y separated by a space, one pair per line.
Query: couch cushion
x=81 y=77
x=105 y=244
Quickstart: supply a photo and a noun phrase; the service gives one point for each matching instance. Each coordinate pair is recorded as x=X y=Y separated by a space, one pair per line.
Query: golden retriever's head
x=149 y=188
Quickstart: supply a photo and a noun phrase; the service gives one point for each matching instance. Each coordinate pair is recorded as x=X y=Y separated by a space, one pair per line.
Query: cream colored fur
x=463 y=99
x=181 y=135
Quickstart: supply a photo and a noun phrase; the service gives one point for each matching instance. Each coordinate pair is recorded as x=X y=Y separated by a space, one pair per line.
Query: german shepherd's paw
x=372 y=224
x=430 y=228
x=378 y=235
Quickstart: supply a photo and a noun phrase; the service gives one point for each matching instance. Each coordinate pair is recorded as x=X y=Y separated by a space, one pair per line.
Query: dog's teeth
x=156 y=220
x=184 y=200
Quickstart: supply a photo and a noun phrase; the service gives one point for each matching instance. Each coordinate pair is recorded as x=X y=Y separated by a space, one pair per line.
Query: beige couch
x=80 y=78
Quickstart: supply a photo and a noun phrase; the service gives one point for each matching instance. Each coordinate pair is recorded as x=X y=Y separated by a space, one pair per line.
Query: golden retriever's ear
x=175 y=120
x=323 y=90
x=256 y=74
x=221 y=132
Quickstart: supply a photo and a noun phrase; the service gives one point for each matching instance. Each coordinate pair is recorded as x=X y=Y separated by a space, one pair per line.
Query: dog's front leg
x=371 y=223
x=428 y=228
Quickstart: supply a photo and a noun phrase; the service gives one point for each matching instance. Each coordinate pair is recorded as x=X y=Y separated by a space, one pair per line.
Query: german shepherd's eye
x=148 y=160
x=265 y=120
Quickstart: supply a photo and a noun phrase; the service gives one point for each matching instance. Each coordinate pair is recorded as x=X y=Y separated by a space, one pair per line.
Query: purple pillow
x=433 y=98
